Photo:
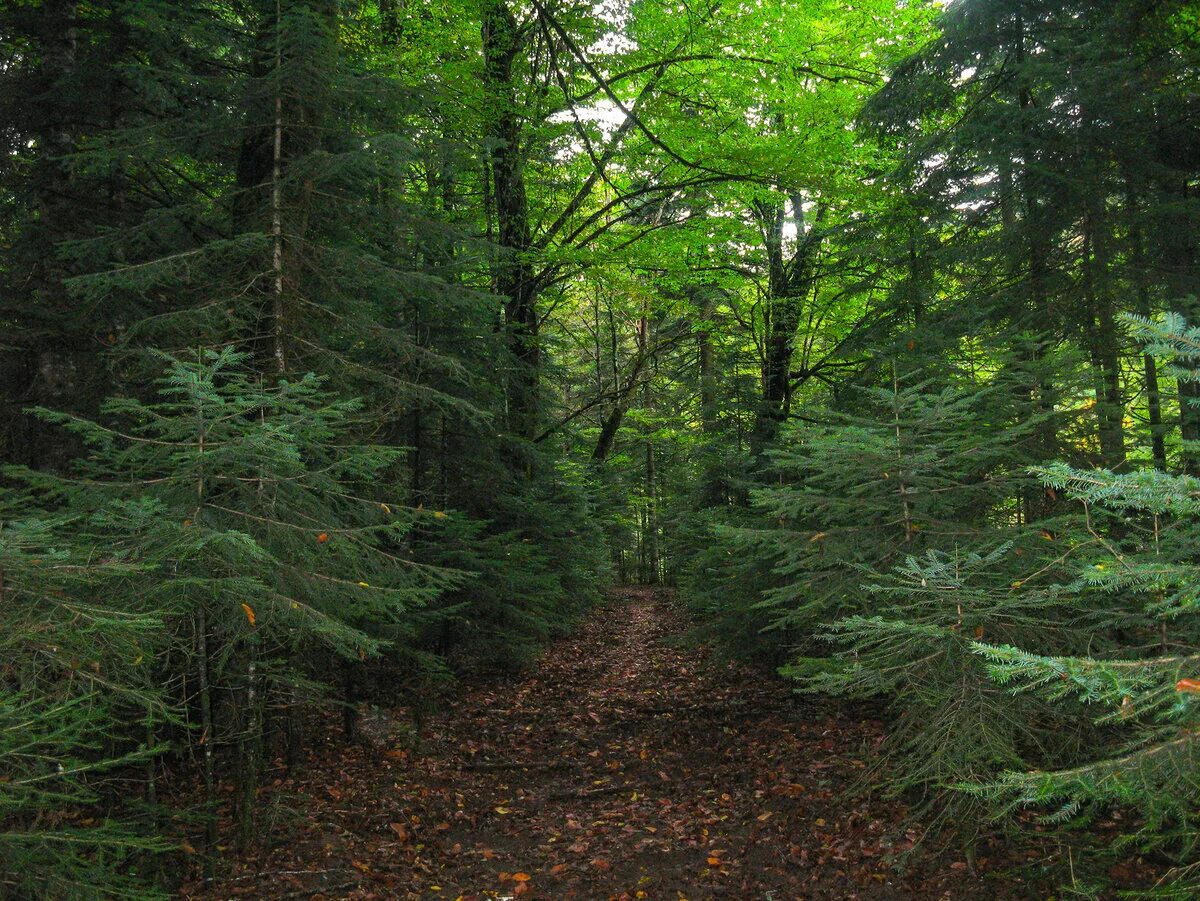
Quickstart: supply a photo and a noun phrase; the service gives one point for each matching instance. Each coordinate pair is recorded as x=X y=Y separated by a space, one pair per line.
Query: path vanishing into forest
x=627 y=765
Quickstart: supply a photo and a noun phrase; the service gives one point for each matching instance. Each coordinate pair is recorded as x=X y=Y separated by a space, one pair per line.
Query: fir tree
x=261 y=537
x=1137 y=584
x=78 y=666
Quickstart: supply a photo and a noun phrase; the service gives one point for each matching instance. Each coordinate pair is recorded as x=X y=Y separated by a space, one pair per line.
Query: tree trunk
x=704 y=353
x=787 y=286
x=1104 y=346
x=1178 y=240
x=512 y=275
x=1140 y=282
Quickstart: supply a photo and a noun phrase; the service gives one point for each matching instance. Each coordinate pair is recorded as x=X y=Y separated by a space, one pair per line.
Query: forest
x=631 y=449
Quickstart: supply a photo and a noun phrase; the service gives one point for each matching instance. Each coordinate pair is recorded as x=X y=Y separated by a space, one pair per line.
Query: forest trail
x=624 y=766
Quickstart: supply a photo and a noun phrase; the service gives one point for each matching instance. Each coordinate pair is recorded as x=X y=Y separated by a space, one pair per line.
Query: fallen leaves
x=671 y=773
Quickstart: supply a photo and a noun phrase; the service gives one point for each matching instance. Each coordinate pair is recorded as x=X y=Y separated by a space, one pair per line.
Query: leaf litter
x=626 y=765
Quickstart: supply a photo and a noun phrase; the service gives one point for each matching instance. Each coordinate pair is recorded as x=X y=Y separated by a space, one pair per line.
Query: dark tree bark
x=789 y=282
x=704 y=355
x=1178 y=243
x=1104 y=344
x=513 y=273
x=1140 y=280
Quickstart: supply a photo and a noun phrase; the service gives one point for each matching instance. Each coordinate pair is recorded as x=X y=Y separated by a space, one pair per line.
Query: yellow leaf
x=817 y=536
x=364 y=585
x=249 y=611
x=502 y=810
x=439 y=514
x=385 y=508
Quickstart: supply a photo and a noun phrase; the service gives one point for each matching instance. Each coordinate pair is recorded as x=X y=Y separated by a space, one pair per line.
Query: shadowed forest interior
x=599 y=449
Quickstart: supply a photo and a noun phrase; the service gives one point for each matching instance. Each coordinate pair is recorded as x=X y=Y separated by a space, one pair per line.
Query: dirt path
x=624 y=767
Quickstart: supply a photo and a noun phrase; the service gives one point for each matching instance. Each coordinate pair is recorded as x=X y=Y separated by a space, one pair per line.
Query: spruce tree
x=260 y=536
x=81 y=714
x=1133 y=582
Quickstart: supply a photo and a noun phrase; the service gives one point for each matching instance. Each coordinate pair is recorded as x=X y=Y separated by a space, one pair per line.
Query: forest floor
x=627 y=765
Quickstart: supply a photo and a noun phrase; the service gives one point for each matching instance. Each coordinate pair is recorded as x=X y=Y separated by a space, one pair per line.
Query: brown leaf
x=401 y=831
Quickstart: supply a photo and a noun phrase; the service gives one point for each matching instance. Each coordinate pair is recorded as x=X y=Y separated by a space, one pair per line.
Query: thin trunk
x=249 y=751
x=1106 y=361
x=708 y=380
x=1140 y=281
x=651 y=515
x=902 y=484
x=206 y=732
x=651 y=485
x=277 y=304
x=1037 y=313
x=1183 y=286
x=1158 y=446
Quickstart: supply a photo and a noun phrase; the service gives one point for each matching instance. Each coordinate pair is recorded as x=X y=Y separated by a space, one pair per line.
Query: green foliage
x=1140 y=582
x=536 y=565
x=818 y=311
x=77 y=665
